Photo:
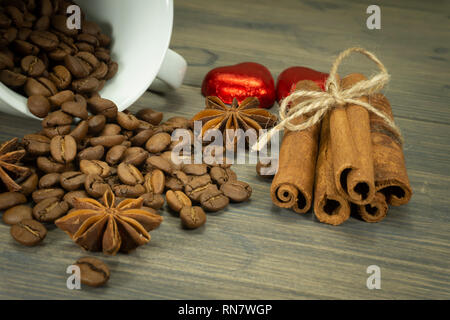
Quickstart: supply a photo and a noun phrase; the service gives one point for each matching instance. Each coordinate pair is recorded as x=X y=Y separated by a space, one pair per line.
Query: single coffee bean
x=129 y=174
x=44 y=39
x=63 y=148
x=195 y=169
x=196 y=186
x=92 y=153
x=127 y=121
x=101 y=71
x=85 y=85
x=52 y=132
x=110 y=129
x=178 y=165
x=28 y=232
x=154 y=181
x=11 y=199
x=95 y=186
x=72 y=195
x=158 y=162
x=33 y=66
x=153 y=200
x=72 y=180
x=25 y=48
x=63 y=96
x=80 y=131
x=56 y=118
x=177 y=200
x=50 y=209
x=113 y=67
x=192 y=217
x=115 y=154
x=158 y=142
x=96 y=123
x=50 y=180
x=16 y=214
x=12 y=79
x=237 y=191
x=39 y=106
x=75 y=108
x=43 y=194
x=212 y=199
x=75 y=66
x=49 y=165
x=61 y=77
x=29 y=185
x=128 y=191
x=89 y=60
x=98 y=105
x=107 y=141
x=135 y=156
x=177 y=123
x=142 y=137
x=95 y=167
x=220 y=175
x=151 y=116
x=42 y=24
x=94 y=272
x=36 y=144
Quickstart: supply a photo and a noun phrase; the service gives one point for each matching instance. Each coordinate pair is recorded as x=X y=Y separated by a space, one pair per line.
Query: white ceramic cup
x=140 y=32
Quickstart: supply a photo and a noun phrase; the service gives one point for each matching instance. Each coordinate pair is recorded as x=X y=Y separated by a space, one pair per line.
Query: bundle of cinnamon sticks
x=351 y=161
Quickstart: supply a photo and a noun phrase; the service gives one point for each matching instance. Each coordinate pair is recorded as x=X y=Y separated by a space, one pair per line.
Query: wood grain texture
x=256 y=250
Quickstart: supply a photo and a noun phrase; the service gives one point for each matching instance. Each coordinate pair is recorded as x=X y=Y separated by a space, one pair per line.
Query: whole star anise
x=109 y=228
x=10 y=156
x=246 y=115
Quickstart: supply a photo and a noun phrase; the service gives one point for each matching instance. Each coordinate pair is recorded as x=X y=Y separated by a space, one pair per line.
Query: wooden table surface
x=256 y=250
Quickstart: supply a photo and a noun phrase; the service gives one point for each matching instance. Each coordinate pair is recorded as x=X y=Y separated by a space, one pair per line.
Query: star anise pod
x=107 y=227
x=246 y=115
x=10 y=155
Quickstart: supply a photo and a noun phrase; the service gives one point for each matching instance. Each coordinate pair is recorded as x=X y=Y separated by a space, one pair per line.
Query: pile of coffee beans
x=55 y=67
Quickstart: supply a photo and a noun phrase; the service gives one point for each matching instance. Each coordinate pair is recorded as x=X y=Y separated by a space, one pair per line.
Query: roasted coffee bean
x=43 y=194
x=196 y=186
x=59 y=22
x=107 y=141
x=101 y=71
x=89 y=60
x=127 y=121
x=158 y=162
x=85 y=85
x=80 y=131
x=95 y=167
x=56 y=118
x=76 y=109
x=151 y=116
x=154 y=181
x=175 y=166
x=44 y=39
x=94 y=272
x=63 y=148
x=195 y=169
x=84 y=37
x=98 y=105
x=237 y=191
x=158 y=142
x=115 y=154
x=36 y=144
x=92 y=153
x=32 y=66
x=76 y=66
x=113 y=67
x=72 y=180
x=61 y=77
x=48 y=165
x=6 y=61
x=52 y=132
x=177 y=123
x=50 y=180
x=29 y=185
x=153 y=200
x=12 y=79
x=192 y=217
x=95 y=186
x=135 y=156
x=142 y=137
x=72 y=195
x=50 y=209
x=39 y=106
x=40 y=86
x=177 y=200
x=174 y=184
x=42 y=24
x=25 y=48
x=96 y=123
x=128 y=191
x=46 y=8
x=212 y=199
x=28 y=232
x=110 y=129
x=220 y=175
x=16 y=214
x=63 y=96
x=11 y=199
x=129 y=174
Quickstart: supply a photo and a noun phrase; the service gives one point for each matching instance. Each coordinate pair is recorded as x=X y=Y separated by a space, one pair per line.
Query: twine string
x=315 y=105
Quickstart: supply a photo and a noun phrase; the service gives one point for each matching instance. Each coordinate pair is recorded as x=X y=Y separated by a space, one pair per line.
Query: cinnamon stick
x=351 y=149
x=292 y=185
x=391 y=177
x=376 y=210
x=329 y=205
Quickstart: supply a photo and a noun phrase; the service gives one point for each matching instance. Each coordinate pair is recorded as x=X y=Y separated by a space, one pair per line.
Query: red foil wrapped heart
x=243 y=80
x=290 y=76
